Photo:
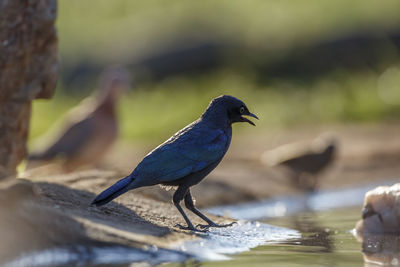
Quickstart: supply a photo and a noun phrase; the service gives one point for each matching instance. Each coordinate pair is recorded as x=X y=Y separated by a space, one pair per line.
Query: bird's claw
x=206 y=226
x=203 y=226
x=228 y=224
x=194 y=229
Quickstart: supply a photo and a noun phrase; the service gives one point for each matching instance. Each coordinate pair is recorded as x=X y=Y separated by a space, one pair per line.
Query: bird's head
x=114 y=81
x=228 y=109
x=327 y=143
x=381 y=212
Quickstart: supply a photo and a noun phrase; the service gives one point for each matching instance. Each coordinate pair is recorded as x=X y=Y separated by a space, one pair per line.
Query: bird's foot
x=191 y=228
x=213 y=224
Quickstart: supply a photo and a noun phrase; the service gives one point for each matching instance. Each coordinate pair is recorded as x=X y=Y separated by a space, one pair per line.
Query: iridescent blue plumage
x=189 y=150
x=187 y=157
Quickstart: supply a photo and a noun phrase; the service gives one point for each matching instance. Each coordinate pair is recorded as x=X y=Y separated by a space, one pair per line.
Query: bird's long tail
x=113 y=191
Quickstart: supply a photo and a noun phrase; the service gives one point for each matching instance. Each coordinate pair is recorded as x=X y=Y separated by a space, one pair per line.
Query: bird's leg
x=189 y=203
x=308 y=182
x=177 y=198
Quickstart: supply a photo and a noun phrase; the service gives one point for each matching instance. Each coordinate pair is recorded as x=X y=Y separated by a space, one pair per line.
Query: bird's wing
x=188 y=151
x=71 y=140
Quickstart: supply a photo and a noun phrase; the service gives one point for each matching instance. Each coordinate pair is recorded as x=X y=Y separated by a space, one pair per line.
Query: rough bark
x=28 y=70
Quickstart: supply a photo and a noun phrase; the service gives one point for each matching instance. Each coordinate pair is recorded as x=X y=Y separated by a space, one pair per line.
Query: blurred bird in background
x=304 y=162
x=381 y=212
x=89 y=129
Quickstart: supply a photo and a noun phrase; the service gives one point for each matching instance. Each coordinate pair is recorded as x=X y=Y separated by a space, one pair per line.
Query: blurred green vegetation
x=108 y=32
x=155 y=110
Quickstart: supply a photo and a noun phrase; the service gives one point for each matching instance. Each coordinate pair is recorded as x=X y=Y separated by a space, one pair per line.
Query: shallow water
x=220 y=243
x=324 y=221
x=325 y=240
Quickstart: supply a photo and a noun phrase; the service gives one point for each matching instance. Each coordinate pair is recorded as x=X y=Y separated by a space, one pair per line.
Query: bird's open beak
x=249 y=121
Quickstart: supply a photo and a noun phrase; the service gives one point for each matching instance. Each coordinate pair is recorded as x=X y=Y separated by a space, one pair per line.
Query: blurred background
x=293 y=63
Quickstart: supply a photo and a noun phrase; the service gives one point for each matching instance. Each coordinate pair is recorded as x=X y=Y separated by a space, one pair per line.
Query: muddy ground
x=50 y=208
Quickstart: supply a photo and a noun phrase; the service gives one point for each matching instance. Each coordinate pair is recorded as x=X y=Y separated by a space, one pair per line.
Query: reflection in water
x=313 y=235
x=380 y=249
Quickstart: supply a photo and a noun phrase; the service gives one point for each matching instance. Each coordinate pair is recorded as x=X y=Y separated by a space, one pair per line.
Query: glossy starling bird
x=90 y=128
x=303 y=162
x=187 y=157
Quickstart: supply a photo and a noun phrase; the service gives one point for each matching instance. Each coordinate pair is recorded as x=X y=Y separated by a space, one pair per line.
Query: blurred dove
x=90 y=128
x=381 y=212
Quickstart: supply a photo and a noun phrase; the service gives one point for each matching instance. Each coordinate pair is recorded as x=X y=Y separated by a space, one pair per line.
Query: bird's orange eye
x=241 y=110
